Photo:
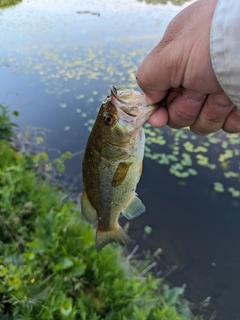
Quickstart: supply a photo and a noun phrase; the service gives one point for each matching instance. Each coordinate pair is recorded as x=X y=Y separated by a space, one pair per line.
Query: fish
x=112 y=164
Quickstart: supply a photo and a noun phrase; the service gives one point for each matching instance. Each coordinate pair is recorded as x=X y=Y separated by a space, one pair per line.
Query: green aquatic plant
x=8 y=3
x=6 y=125
x=185 y=154
x=63 y=105
x=218 y=187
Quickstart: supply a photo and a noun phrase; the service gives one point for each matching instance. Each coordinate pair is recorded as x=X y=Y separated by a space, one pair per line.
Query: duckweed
x=218 y=187
x=185 y=154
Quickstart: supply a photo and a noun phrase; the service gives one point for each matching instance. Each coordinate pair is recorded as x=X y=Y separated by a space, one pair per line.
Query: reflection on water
x=58 y=65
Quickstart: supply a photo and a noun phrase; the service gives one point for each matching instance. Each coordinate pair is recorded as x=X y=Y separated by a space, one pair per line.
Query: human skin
x=178 y=72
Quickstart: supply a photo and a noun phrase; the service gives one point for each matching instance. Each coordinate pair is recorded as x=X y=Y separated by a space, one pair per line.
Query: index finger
x=151 y=95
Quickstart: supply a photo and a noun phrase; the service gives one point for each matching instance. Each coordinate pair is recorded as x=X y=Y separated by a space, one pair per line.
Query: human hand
x=178 y=72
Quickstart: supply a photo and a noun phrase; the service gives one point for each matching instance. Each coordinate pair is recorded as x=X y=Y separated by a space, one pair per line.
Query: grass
x=49 y=268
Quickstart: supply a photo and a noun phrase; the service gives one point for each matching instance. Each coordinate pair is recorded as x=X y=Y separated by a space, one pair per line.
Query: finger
x=151 y=95
x=159 y=118
x=173 y=93
x=232 y=123
x=185 y=108
x=216 y=109
x=152 y=77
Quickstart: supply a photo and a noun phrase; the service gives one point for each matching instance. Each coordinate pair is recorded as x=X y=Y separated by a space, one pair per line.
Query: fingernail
x=221 y=100
x=194 y=97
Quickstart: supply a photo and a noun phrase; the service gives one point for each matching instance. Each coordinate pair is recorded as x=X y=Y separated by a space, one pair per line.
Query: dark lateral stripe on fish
x=120 y=173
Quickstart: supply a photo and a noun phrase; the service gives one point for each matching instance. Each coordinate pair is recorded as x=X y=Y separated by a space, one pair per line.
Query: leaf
x=218 y=187
x=235 y=193
x=66 y=155
x=63 y=105
x=60 y=165
x=40 y=139
x=15 y=113
x=172 y=295
x=225 y=144
x=63 y=264
x=201 y=149
x=39 y=156
x=90 y=100
x=78 y=270
x=192 y=171
x=66 y=307
x=188 y=146
x=80 y=96
x=147 y=229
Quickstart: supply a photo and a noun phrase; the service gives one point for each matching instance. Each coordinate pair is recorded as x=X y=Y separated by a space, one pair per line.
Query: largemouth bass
x=112 y=164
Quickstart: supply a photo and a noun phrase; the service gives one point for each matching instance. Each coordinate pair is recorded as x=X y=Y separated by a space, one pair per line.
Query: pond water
x=58 y=62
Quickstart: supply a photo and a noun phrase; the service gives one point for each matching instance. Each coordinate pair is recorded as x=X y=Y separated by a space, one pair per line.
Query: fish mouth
x=115 y=94
x=134 y=112
x=131 y=102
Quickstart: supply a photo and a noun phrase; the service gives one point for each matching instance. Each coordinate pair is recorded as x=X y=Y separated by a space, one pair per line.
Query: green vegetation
x=49 y=268
x=8 y=3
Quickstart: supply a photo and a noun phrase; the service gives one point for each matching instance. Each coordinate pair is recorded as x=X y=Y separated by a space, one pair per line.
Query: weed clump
x=8 y=3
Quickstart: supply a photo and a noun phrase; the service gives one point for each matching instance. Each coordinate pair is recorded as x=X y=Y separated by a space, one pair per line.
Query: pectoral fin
x=88 y=212
x=134 y=208
x=120 y=173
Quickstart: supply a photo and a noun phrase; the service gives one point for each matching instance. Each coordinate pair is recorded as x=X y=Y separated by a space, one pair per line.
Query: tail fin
x=105 y=237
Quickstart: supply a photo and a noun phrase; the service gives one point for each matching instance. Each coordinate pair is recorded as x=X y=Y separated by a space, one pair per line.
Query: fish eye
x=108 y=119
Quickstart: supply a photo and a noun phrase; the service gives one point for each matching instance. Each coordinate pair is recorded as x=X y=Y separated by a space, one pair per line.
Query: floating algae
x=185 y=154
x=63 y=105
x=218 y=187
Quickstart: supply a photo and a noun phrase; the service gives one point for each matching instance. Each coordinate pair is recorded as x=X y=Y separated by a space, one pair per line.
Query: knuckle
x=220 y=100
x=184 y=116
x=212 y=118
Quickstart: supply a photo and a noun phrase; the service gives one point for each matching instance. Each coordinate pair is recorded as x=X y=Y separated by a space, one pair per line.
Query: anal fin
x=88 y=212
x=134 y=208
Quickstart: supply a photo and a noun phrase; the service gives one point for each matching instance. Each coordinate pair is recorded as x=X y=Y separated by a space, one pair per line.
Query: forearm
x=225 y=47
